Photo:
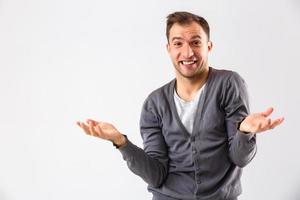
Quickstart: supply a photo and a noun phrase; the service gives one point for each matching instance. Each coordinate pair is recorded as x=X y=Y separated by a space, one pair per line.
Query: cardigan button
x=192 y=138
x=194 y=151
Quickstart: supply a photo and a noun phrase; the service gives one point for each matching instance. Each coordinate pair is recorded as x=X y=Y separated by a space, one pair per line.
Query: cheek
x=175 y=54
x=201 y=54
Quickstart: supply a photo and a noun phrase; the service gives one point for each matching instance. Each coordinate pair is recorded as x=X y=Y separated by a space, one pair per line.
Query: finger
x=80 y=124
x=91 y=122
x=84 y=127
x=276 y=122
x=99 y=130
x=259 y=127
x=265 y=125
x=267 y=112
x=92 y=131
x=268 y=122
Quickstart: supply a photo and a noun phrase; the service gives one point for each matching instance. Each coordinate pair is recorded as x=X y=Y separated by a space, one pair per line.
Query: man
x=197 y=130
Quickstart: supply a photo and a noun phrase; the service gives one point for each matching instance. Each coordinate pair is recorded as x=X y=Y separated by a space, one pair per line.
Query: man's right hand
x=104 y=131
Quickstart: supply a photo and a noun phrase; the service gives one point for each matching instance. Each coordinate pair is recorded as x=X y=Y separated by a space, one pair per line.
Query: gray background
x=67 y=60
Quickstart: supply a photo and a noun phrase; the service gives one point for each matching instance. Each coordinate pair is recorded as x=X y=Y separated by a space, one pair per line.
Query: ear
x=210 y=46
x=168 y=47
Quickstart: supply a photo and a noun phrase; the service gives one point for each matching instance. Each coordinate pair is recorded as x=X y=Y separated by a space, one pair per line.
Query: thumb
x=267 y=112
x=92 y=122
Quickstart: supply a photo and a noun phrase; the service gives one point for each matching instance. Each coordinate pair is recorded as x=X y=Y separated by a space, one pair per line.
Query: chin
x=188 y=75
x=198 y=73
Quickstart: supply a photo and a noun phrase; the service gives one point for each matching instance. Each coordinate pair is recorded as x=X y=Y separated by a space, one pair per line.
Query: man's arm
x=242 y=147
x=242 y=126
x=151 y=164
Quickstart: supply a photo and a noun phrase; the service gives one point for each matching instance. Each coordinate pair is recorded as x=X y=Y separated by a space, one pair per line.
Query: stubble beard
x=196 y=75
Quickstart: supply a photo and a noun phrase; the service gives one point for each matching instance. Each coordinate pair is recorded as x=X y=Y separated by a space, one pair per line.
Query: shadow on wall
x=296 y=3
x=3 y=195
x=296 y=196
x=295 y=192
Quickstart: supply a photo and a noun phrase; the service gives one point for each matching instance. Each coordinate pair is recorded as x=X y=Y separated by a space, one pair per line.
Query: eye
x=196 y=43
x=177 y=44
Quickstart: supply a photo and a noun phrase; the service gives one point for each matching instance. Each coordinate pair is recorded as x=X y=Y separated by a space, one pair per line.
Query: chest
x=209 y=127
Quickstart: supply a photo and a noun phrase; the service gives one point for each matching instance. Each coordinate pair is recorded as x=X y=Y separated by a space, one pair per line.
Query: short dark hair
x=186 y=18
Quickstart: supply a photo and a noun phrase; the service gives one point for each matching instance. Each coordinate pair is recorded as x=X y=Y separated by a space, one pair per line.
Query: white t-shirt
x=187 y=109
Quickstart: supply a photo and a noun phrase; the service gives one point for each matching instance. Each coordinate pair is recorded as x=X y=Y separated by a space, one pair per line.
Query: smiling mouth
x=188 y=62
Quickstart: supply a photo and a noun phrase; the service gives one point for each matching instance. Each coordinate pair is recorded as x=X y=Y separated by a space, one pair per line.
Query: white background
x=68 y=60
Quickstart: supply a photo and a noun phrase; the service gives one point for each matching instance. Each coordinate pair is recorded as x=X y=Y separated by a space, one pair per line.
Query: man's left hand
x=259 y=122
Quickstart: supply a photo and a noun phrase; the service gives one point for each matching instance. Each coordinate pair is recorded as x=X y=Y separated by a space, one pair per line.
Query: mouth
x=188 y=62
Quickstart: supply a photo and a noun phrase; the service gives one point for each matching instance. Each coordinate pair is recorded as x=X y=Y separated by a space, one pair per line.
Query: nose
x=187 y=51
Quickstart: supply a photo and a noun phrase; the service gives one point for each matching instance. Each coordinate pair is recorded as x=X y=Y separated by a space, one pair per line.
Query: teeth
x=188 y=62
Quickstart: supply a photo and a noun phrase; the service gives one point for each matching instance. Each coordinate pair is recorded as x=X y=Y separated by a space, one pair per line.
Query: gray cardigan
x=204 y=165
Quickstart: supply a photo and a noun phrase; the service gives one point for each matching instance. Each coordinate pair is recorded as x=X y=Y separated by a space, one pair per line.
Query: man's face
x=188 y=47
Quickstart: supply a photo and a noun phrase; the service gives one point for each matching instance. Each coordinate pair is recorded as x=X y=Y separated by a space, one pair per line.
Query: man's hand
x=259 y=122
x=104 y=131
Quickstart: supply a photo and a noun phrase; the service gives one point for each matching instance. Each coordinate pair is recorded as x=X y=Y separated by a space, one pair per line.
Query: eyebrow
x=196 y=36
x=180 y=38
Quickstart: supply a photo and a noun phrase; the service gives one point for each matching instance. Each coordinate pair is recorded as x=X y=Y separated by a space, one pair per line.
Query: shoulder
x=158 y=99
x=225 y=74
x=161 y=93
x=225 y=77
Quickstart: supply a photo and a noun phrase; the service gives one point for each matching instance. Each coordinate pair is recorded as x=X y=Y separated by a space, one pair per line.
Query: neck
x=187 y=88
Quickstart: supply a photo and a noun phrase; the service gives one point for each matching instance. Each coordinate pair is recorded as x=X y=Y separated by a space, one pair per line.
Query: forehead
x=187 y=31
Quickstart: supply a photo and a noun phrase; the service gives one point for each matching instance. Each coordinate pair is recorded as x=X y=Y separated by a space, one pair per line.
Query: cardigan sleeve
x=150 y=163
x=242 y=146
